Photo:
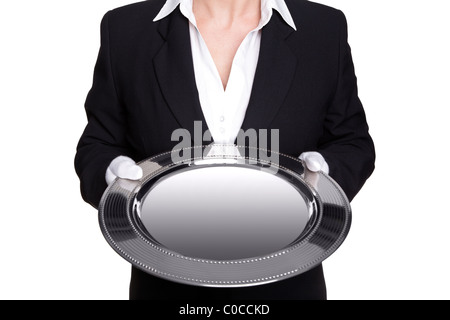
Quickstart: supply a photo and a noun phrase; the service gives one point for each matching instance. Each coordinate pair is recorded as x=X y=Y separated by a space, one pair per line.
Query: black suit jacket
x=144 y=89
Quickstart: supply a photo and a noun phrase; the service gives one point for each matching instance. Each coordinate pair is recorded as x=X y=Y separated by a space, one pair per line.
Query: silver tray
x=225 y=216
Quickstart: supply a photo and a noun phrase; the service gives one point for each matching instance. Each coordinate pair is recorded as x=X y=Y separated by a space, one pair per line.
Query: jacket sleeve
x=104 y=137
x=346 y=144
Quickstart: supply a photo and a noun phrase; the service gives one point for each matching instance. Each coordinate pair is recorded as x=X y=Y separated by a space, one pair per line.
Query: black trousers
x=307 y=286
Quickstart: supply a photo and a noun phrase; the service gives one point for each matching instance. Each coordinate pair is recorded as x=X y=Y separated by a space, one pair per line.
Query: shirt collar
x=266 y=11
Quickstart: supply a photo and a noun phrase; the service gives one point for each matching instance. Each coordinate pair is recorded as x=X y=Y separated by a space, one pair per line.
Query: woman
x=231 y=64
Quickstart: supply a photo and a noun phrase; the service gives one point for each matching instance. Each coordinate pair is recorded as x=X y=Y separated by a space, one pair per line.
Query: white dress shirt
x=224 y=110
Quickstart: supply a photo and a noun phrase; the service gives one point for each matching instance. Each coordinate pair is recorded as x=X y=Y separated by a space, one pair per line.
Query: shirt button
x=222 y=119
x=222 y=130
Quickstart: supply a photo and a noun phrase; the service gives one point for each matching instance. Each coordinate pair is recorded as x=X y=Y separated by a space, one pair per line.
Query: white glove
x=315 y=162
x=123 y=167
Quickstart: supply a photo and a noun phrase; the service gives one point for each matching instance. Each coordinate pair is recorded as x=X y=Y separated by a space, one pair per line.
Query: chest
x=223 y=44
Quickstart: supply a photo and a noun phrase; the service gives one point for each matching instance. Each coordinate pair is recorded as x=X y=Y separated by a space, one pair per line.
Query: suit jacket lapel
x=175 y=71
x=274 y=74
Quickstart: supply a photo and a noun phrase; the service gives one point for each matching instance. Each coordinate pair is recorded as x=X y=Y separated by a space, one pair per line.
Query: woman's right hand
x=123 y=167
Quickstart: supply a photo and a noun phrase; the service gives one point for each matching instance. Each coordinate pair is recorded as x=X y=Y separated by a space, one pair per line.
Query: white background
x=51 y=245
